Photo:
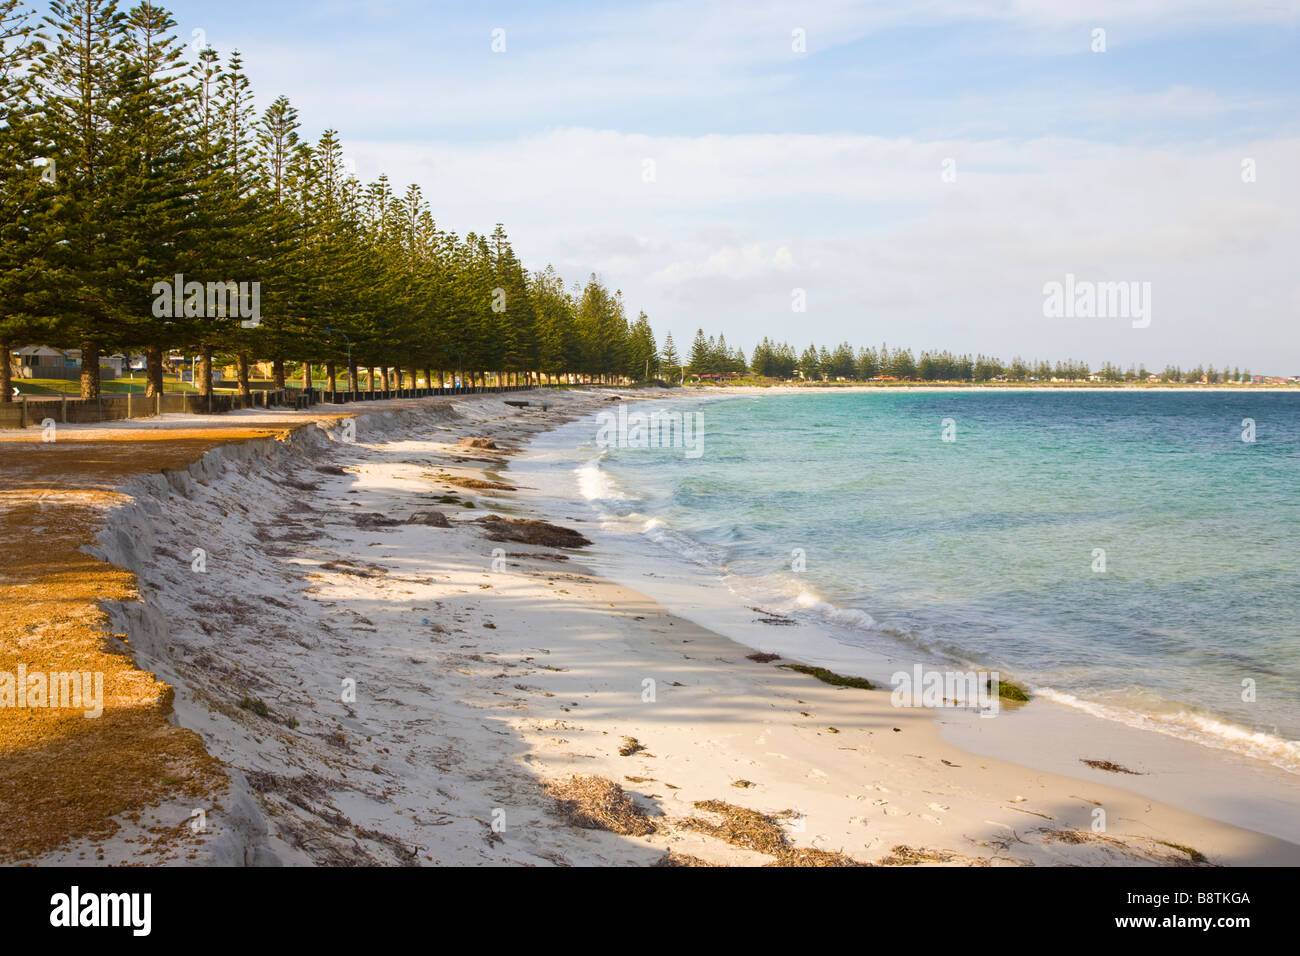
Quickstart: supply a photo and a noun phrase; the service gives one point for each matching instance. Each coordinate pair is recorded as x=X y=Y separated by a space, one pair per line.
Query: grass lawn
x=109 y=386
x=113 y=386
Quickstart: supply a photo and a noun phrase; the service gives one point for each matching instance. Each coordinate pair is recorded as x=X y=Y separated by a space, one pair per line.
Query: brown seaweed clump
x=595 y=803
x=477 y=483
x=830 y=677
x=673 y=858
x=528 y=531
x=432 y=519
x=762 y=833
x=1108 y=765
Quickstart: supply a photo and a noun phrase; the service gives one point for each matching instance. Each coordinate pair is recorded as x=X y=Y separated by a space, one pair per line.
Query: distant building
x=41 y=361
x=712 y=377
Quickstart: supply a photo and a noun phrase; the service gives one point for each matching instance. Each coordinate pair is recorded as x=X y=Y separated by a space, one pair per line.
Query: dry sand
x=378 y=689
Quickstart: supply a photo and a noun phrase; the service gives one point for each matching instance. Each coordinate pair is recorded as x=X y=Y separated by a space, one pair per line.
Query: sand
x=380 y=690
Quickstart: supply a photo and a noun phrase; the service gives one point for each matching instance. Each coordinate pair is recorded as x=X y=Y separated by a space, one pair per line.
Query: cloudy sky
x=920 y=169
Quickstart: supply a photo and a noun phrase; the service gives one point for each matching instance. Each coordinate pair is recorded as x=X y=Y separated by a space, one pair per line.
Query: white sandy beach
x=477 y=685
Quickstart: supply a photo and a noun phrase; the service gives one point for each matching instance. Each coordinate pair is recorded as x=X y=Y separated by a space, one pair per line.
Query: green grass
x=109 y=386
x=830 y=677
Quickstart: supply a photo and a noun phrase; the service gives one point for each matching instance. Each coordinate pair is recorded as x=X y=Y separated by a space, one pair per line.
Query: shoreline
x=477 y=684
x=1199 y=775
x=999 y=387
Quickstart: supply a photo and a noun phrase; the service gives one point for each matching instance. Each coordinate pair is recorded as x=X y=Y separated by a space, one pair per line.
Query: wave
x=1187 y=725
x=596 y=485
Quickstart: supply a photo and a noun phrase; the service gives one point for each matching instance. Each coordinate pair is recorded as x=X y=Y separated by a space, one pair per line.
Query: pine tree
x=808 y=363
x=643 y=355
x=701 y=354
x=78 y=75
x=157 y=210
x=669 y=360
x=556 y=337
x=280 y=151
x=26 y=193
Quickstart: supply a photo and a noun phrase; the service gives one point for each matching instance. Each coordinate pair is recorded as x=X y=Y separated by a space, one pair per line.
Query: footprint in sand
x=929 y=819
x=895 y=812
x=938 y=807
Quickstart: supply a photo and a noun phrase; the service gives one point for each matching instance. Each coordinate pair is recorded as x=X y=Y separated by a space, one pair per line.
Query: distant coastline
x=990 y=386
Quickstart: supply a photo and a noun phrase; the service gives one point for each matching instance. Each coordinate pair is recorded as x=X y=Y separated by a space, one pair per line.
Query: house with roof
x=41 y=361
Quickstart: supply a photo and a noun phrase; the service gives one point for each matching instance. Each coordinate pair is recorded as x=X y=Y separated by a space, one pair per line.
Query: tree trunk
x=203 y=376
x=277 y=374
x=397 y=377
x=428 y=377
x=241 y=373
x=89 y=370
x=306 y=376
x=330 y=382
x=352 y=377
x=373 y=376
x=6 y=381
x=153 y=371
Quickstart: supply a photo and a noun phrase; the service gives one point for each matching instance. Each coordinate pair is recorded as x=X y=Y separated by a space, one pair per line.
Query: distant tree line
x=125 y=166
x=712 y=356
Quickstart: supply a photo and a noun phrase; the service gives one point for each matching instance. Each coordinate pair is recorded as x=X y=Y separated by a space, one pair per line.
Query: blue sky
x=821 y=170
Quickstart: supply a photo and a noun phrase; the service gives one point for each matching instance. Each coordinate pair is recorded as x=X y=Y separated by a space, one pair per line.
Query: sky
x=916 y=173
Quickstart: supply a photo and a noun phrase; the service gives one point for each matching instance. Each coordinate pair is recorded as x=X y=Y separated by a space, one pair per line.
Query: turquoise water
x=982 y=550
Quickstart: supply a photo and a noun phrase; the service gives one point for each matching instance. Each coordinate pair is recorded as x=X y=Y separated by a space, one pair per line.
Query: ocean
x=1125 y=553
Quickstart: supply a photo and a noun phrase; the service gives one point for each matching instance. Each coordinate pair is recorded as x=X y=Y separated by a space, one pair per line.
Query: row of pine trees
x=712 y=356
x=127 y=161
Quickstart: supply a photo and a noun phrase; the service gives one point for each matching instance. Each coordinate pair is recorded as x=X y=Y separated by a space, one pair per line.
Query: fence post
x=22 y=415
x=63 y=401
x=128 y=403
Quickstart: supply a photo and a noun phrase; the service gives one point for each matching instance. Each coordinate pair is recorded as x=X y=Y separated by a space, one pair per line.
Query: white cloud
x=729 y=262
x=885 y=247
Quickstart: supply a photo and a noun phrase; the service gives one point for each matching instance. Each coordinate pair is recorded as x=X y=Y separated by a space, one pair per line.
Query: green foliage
x=164 y=167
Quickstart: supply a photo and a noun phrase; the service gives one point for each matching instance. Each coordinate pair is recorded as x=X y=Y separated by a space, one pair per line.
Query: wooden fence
x=29 y=410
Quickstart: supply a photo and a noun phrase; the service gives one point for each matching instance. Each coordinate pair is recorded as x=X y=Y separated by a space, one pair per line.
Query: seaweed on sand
x=762 y=833
x=595 y=803
x=527 y=531
x=830 y=677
